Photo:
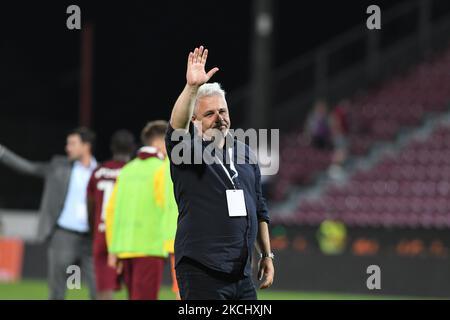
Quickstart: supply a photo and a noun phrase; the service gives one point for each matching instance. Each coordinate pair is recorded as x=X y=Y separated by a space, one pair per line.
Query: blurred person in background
x=318 y=126
x=332 y=236
x=137 y=217
x=63 y=221
x=100 y=187
x=171 y=225
x=340 y=129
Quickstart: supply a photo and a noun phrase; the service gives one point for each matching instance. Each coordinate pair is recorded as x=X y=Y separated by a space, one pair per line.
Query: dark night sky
x=140 y=52
x=139 y=60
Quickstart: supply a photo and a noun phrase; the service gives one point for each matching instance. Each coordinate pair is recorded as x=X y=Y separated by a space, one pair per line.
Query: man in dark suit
x=63 y=220
x=222 y=211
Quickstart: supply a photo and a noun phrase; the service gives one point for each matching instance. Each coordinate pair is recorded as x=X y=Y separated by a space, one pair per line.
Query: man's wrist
x=269 y=255
x=192 y=89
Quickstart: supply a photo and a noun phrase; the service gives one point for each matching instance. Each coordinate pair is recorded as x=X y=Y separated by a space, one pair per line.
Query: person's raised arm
x=21 y=165
x=195 y=77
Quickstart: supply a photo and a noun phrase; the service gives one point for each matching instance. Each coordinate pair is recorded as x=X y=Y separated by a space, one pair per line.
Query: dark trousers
x=66 y=249
x=197 y=282
x=143 y=277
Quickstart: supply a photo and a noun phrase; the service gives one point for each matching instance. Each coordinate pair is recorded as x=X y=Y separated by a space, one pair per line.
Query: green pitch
x=37 y=290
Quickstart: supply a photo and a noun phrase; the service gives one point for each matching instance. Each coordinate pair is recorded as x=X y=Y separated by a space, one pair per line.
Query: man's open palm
x=196 y=74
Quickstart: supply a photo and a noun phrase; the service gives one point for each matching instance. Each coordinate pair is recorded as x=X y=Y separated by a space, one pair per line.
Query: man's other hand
x=266 y=271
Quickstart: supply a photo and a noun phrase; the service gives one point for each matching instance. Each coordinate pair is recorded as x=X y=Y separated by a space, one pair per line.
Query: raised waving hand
x=196 y=74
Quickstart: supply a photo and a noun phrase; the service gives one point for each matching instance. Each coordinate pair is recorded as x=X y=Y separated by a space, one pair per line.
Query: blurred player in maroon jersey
x=100 y=187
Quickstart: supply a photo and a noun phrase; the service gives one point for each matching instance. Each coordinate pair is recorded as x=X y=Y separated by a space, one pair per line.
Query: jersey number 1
x=107 y=186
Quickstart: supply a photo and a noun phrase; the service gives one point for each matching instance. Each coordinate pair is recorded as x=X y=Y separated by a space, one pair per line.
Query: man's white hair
x=208 y=89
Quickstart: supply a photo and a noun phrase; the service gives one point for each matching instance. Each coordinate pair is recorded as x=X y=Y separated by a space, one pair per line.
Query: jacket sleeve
x=22 y=165
x=261 y=205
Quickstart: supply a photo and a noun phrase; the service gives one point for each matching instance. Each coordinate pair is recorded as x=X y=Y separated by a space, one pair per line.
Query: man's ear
x=196 y=123
x=89 y=147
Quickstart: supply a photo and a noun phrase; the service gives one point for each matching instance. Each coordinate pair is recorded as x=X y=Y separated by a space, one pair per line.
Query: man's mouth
x=220 y=127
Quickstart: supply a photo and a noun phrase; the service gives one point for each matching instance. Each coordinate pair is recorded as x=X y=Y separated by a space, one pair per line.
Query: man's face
x=212 y=113
x=75 y=148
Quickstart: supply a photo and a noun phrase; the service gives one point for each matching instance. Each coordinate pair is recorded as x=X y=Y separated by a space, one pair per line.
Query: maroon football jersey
x=100 y=187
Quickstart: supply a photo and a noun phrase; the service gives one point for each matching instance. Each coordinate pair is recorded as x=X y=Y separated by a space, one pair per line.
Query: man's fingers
x=200 y=54
x=266 y=284
x=266 y=272
x=268 y=280
x=112 y=261
x=195 y=55
x=211 y=72
x=260 y=273
x=204 y=56
x=119 y=267
x=189 y=60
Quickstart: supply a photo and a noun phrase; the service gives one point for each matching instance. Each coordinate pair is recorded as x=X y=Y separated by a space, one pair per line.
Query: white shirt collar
x=92 y=165
x=148 y=149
